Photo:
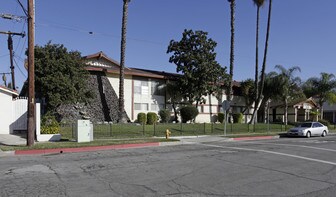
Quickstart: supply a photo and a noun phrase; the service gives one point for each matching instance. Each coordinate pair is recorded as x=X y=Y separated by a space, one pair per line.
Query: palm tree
x=323 y=87
x=262 y=79
x=247 y=91
x=258 y=3
x=288 y=87
x=232 y=7
x=122 y=117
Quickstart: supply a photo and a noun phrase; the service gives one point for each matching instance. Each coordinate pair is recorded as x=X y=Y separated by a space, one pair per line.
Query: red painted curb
x=253 y=138
x=83 y=149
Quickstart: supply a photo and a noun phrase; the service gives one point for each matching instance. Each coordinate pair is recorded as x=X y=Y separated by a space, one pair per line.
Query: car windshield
x=308 y=124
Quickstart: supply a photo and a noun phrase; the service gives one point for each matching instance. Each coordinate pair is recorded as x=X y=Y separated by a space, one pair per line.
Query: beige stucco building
x=143 y=92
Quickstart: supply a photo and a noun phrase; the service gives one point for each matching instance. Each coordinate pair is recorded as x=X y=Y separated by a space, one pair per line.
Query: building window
x=137 y=106
x=144 y=106
x=157 y=107
x=141 y=87
x=141 y=106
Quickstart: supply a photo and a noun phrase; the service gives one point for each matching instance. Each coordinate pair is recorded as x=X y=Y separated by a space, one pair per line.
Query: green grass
x=122 y=131
x=72 y=144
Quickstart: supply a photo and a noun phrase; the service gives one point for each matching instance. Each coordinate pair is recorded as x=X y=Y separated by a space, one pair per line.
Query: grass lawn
x=113 y=134
x=121 y=131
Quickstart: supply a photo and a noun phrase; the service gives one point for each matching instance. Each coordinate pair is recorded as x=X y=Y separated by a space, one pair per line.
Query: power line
x=77 y=29
x=23 y=8
x=17 y=66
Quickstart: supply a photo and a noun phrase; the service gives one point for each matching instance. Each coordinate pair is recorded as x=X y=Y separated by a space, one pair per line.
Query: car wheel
x=308 y=134
x=324 y=133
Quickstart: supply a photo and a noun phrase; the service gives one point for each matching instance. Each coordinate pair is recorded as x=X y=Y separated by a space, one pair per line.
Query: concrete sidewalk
x=12 y=140
x=17 y=140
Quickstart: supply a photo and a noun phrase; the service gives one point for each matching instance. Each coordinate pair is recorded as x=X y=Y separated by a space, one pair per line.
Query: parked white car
x=309 y=129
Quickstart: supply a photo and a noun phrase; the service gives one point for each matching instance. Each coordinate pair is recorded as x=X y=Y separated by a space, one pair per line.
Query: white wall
x=6 y=112
x=131 y=98
x=148 y=99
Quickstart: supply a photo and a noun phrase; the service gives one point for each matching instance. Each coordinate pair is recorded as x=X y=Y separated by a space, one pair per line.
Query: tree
x=258 y=3
x=248 y=93
x=194 y=56
x=288 y=86
x=174 y=95
x=122 y=117
x=259 y=86
x=232 y=8
x=271 y=88
x=324 y=88
x=60 y=77
x=263 y=68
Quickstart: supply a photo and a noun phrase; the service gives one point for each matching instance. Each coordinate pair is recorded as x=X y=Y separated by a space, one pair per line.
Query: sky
x=303 y=32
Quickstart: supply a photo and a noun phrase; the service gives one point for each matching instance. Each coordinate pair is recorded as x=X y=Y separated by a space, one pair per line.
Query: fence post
x=143 y=129
x=204 y=128
x=72 y=130
x=110 y=129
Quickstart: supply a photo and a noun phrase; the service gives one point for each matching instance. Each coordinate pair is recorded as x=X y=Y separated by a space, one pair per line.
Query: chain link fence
x=133 y=130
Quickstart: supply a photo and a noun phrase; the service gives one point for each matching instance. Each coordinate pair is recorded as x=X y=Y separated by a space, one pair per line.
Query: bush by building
x=220 y=117
x=142 y=118
x=237 y=118
x=151 y=118
x=188 y=113
x=164 y=115
x=49 y=125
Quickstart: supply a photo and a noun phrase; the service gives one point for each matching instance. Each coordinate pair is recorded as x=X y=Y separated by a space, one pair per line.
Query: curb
x=6 y=153
x=119 y=146
x=84 y=149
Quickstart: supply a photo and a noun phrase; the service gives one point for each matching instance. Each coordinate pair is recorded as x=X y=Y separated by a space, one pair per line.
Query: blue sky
x=303 y=32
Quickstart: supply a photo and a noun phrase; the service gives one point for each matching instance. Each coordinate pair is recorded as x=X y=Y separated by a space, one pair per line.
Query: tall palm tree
x=289 y=86
x=232 y=8
x=324 y=88
x=259 y=4
x=263 y=69
x=122 y=117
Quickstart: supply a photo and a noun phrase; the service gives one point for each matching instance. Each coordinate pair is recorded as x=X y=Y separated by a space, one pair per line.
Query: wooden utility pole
x=10 y=48
x=31 y=78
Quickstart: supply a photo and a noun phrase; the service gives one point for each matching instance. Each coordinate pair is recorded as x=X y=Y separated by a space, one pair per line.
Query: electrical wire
x=17 y=66
x=77 y=29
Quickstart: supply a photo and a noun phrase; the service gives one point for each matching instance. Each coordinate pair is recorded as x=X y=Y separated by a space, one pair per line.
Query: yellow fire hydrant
x=168 y=134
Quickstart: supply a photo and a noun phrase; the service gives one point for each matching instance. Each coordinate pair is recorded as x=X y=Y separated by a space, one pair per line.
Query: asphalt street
x=278 y=167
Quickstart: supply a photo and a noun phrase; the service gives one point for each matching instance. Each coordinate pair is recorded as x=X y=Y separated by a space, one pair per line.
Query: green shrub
x=325 y=122
x=151 y=118
x=142 y=118
x=164 y=115
x=188 y=113
x=220 y=117
x=237 y=118
x=49 y=125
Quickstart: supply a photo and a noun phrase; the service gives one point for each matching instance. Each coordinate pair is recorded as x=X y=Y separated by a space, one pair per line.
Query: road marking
x=293 y=145
x=273 y=152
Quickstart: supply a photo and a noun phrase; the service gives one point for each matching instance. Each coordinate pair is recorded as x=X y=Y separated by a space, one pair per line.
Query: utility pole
x=31 y=78
x=10 y=48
